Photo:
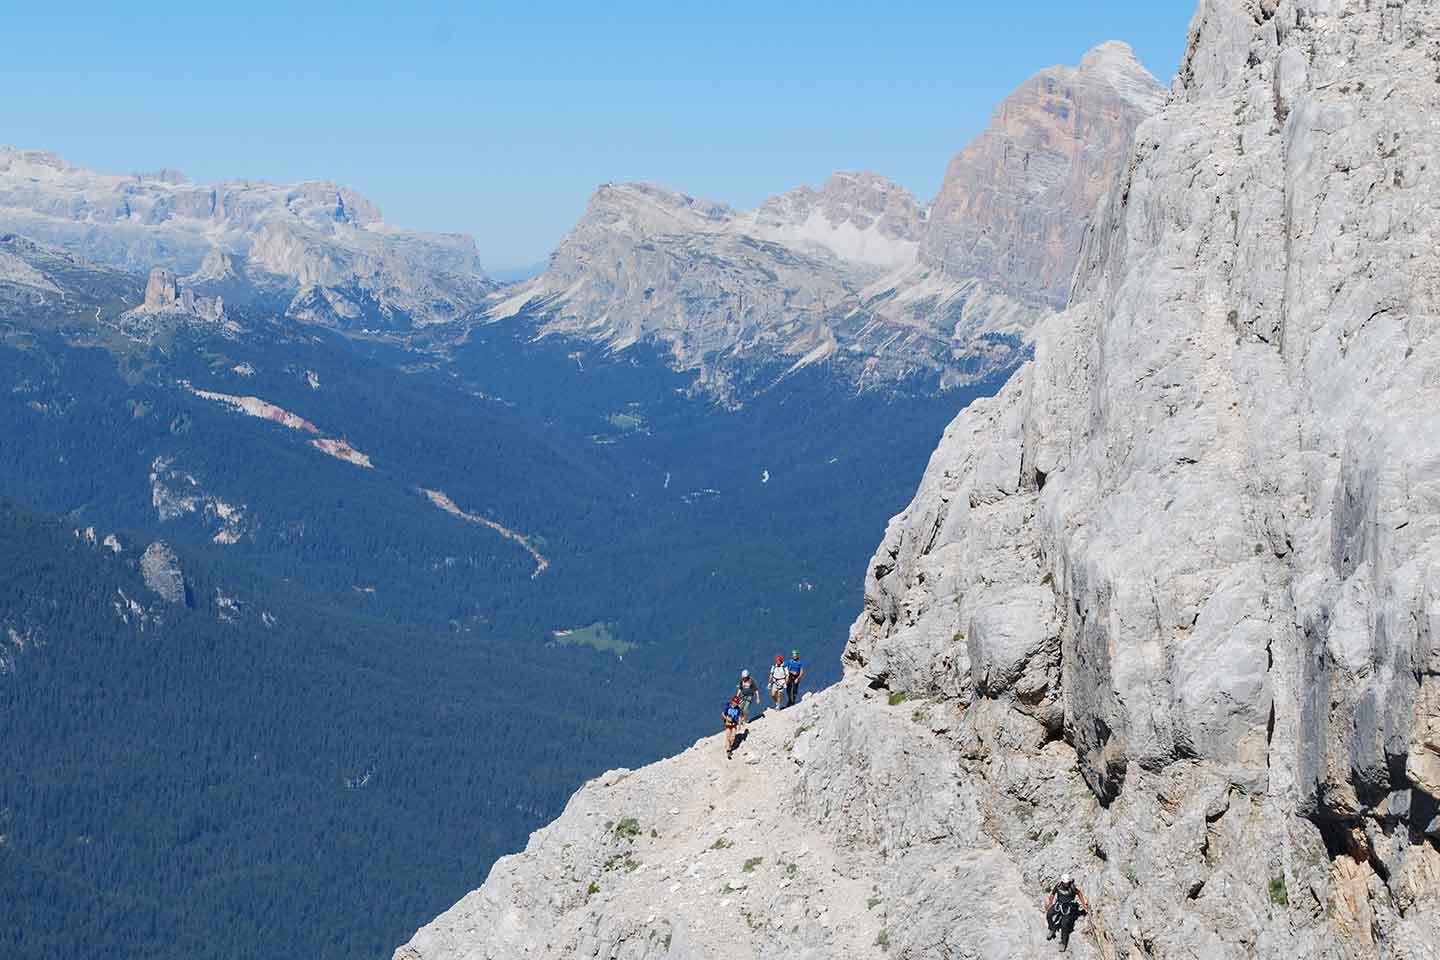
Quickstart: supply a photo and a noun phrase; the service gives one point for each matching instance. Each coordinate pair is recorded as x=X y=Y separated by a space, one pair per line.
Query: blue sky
x=499 y=120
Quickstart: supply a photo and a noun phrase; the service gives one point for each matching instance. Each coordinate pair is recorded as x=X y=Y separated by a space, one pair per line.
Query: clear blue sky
x=499 y=121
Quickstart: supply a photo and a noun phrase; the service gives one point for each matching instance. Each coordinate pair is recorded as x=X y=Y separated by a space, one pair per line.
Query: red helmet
x=735 y=699
x=779 y=658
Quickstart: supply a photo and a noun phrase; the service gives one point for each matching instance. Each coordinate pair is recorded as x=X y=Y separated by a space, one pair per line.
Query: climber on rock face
x=749 y=693
x=1063 y=908
x=731 y=716
x=779 y=677
x=795 y=673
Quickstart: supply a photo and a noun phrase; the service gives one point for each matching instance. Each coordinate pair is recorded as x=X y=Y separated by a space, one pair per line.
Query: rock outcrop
x=856 y=274
x=161 y=570
x=167 y=293
x=321 y=246
x=1163 y=612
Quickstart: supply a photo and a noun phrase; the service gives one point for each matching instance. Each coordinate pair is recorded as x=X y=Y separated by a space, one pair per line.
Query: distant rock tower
x=165 y=292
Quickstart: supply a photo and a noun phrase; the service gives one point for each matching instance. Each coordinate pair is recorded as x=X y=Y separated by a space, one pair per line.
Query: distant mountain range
x=859 y=274
x=318 y=251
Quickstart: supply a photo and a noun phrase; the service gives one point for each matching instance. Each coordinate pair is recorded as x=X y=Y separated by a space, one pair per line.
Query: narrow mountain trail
x=781 y=851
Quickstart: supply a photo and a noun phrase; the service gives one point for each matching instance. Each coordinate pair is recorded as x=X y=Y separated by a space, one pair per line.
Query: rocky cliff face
x=1016 y=201
x=321 y=244
x=165 y=292
x=1164 y=610
x=856 y=274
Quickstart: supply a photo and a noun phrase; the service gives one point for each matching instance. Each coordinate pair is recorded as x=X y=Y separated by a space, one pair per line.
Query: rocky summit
x=323 y=250
x=1163 y=613
x=858 y=274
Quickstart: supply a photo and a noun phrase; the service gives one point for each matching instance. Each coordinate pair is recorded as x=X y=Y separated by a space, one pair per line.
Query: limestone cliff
x=857 y=274
x=1016 y=201
x=1163 y=613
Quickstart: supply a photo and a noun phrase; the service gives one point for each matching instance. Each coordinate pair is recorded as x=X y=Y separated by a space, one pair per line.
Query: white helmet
x=744 y=674
x=1065 y=878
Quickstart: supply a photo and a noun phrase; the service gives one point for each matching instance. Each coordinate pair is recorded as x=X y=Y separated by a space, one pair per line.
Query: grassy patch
x=872 y=903
x=882 y=939
x=898 y=698
x=598 y=636
x=1278 y=894
x=721 y=844
x=593 y=889
x=622 y=861
x=752 y=863
x=627 y=829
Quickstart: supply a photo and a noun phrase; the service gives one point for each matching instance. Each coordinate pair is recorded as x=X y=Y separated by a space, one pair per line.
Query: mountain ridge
x=858 y=273
x=321 y=247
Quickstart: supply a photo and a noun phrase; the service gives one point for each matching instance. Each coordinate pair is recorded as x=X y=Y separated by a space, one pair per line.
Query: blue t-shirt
x=732 y=712
x=794 y=666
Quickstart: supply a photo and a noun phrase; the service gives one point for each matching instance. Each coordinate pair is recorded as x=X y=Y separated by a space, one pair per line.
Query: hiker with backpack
x=794 y=673
x=731 y=716
x=779 y=676
x=749 y=693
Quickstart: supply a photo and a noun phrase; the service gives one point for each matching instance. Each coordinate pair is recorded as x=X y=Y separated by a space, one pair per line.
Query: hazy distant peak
x=286 y=237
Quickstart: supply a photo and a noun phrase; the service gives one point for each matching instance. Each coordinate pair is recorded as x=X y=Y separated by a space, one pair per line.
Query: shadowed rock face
x=855 y=274
x=321 y=243
x=1164 y=608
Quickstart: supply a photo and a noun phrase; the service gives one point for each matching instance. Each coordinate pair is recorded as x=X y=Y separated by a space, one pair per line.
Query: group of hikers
x=1065 y=905
x=785 y=677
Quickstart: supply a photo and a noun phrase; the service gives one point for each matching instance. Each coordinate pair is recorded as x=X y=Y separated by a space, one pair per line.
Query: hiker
x=731 y=716
x=779 y=676
x=795 y=672
x=1062 y=909
x=749 y=692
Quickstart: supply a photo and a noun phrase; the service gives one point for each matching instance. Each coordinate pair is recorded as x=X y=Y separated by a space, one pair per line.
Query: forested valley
x=363 y=698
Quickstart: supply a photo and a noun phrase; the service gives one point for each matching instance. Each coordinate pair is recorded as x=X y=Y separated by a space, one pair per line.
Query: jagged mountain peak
x=1052 y=150
x=1114 y=63
x=862 y=217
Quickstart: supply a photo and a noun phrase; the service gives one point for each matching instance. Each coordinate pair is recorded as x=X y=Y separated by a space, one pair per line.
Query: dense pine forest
x=364 y=699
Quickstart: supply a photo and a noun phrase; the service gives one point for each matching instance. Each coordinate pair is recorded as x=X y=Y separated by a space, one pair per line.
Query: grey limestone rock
x=161 y=569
